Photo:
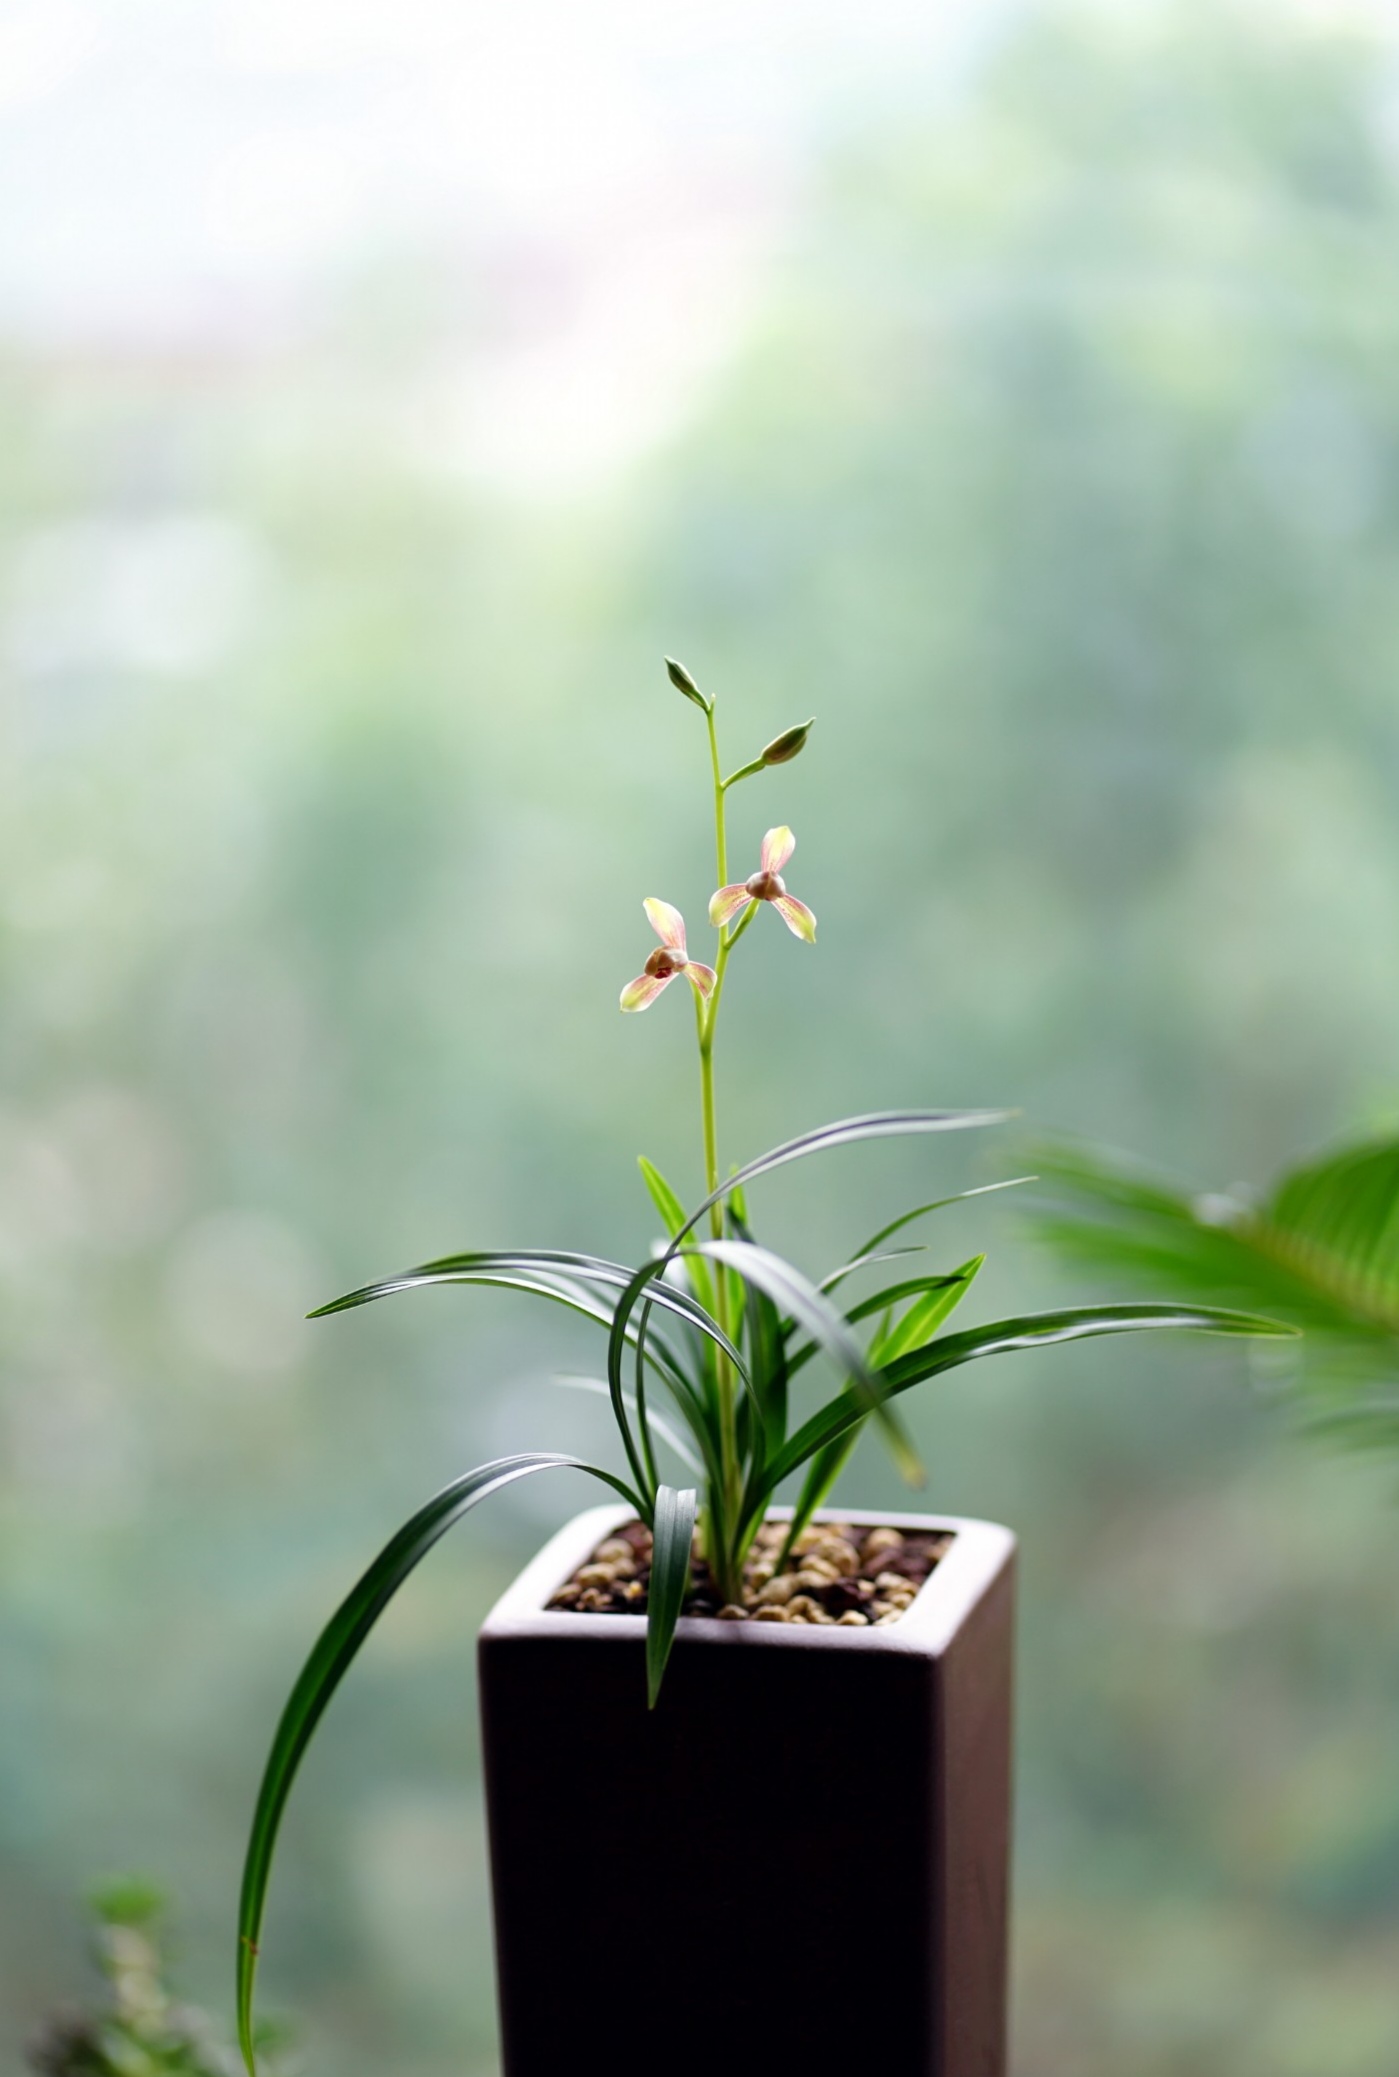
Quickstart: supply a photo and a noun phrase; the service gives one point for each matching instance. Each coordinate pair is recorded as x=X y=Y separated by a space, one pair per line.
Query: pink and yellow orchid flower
x=767 y=884
x=669 y=959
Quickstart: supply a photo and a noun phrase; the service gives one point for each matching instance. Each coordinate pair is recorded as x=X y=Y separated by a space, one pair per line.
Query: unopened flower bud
x=782 y=749
x=683 y=682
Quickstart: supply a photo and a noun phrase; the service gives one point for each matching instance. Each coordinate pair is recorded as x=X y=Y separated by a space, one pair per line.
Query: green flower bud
x=683 y=682
x=782 y=749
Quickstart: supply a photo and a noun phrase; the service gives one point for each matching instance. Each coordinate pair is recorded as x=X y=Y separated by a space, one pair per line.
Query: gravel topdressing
x=838 y=1573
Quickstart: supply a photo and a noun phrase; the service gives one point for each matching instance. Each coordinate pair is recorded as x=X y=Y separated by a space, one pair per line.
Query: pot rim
x=957 y=1582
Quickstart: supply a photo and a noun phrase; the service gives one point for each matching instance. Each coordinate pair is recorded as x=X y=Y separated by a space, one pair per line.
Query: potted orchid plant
x=695 y=1685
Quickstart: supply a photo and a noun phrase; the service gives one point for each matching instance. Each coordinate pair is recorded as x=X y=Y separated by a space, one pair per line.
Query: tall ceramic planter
x=798 y=1863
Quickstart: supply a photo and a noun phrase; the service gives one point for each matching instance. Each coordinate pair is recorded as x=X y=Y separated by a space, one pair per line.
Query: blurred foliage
x=1060 y=479
x=1319 y=1249
x=142 y=2031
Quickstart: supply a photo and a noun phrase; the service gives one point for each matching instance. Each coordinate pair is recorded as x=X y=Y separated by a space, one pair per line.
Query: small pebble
x=771 y=1615
x=615 y=1551
x=852 y=1619
x=777 y=1591
x=881 y=1540
x=885 y=1583
x=595 y=1575
x=732 y=1613
x=802 y=1605
x=813 y=1575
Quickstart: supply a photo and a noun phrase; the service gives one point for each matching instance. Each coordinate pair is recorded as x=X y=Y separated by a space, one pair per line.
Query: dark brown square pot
x=798 y=1863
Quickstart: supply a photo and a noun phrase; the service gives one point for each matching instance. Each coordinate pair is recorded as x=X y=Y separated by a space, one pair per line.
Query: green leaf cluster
x=664 y=1338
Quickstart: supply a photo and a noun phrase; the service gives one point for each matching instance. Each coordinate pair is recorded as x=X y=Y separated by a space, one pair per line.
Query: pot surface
x=797 y=1861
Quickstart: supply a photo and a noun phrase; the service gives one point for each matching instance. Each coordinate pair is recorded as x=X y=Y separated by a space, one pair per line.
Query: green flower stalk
x=727 y=1335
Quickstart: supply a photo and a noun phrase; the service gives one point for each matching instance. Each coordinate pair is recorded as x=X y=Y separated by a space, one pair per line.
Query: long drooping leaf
x=671 y=1535
x=490 y=1265
x=670 y=1436
x=331 y=1657
x=1033 y=1330
x=550 y=1265
x=818 y=1318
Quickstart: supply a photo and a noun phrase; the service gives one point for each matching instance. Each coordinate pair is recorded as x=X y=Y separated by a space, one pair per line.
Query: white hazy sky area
x=194 y=176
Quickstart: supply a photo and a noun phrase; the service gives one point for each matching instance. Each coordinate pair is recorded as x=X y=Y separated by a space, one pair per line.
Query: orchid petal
x=726 y=903
x=778 y=846
x=797 y=916
x=701 y=977
x=642 y=992
x=668 y=923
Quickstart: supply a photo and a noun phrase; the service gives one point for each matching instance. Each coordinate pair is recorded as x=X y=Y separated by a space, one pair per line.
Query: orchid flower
x=767 y=884
x=669 y=959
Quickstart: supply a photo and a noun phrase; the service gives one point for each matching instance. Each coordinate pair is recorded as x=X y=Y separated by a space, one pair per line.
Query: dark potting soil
x=838 y=1573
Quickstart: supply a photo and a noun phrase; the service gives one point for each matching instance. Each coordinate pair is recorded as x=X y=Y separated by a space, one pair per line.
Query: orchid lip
x=766 y=886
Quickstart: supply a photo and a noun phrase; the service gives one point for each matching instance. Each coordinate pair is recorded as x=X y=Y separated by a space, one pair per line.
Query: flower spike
x=669 y=959
x=767 y=884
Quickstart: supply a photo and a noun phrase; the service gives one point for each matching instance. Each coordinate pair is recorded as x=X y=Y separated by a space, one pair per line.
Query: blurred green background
x=381 y=392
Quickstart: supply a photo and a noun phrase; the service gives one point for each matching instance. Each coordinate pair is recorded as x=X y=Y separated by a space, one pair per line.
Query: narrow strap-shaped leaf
x=929 y=1286
x=489 y=1265
x=876 y=1125
x=463 y=1268
x=767 y=1348
x=788 y=1288
x=645 y=1282
x=672 y=1213
x=845 y=1132
x=1033 y=1330
x=670 y=1436
x=331 y=1658
x=921 y=1322
x=671 y=1534
x=829 y=1282
x=938 y=1204
x=823 y=1471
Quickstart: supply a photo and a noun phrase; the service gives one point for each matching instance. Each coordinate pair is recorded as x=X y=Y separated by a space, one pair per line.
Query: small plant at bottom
x=716 y=1322
x=143 y=2031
